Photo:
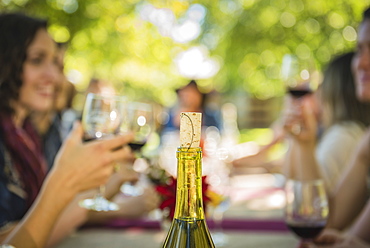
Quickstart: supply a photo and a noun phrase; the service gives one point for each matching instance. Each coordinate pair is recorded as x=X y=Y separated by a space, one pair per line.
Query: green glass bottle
x=189 y=228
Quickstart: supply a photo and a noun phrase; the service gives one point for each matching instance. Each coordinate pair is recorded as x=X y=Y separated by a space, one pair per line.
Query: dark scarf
x=24 y=147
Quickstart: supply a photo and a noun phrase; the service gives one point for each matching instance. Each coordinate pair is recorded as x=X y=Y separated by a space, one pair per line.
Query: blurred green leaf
x=109 y=38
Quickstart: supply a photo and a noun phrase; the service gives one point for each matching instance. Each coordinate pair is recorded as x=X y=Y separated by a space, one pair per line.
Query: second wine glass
x=101 y=118
x=140 y=122
x=306 y=209
x=298 y=75
x=300 y=79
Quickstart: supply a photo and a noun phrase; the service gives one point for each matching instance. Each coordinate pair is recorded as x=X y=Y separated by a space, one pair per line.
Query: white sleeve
x=335 y=150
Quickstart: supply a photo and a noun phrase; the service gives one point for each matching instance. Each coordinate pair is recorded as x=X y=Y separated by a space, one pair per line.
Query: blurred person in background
x=191 y=99
x=29 y=75
x=54 y=124
x=349 y=199
x=349 y=204
x=262 y=158
x=343 y=119
x=65 y=97
x=100 y=86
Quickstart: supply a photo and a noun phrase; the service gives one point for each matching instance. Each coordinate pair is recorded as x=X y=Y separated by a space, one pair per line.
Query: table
x=254 y=219
x=149 y=238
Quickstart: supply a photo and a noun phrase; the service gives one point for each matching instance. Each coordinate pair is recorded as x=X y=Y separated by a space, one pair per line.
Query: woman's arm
x=357 y=236
x=78 y=167
x=36 y=226
x=301 y=163
x=73 y=216
x=124 y=173
x=362 y=225
x=350 y=195
x=129 y=207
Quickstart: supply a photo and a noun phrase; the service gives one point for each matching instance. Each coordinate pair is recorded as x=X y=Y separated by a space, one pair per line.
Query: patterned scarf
x=24 y=147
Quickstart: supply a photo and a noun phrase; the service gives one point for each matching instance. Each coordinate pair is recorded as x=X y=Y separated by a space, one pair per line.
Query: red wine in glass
x=139 y=121
x=306 y=209
x=307 y=230
x=87 y=139
x=136 y=146
x=298 y=93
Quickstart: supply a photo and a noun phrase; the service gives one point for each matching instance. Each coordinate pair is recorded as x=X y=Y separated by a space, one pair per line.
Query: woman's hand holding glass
x=300 y=81
x=101 y=119
x=304 y=114
x=81 y=166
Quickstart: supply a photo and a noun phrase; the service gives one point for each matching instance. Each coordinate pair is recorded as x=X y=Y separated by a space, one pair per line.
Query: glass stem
x=101 y=191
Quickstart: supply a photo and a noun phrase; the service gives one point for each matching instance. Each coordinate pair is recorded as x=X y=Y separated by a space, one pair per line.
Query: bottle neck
x=189 y=202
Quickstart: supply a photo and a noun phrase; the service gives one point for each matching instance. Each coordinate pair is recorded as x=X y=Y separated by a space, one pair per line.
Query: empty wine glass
x=220 y=238
x=101 y=118
x=306 y=209
x=219 y=182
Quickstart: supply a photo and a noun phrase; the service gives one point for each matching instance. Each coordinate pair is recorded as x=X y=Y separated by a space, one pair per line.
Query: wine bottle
x=189 y=228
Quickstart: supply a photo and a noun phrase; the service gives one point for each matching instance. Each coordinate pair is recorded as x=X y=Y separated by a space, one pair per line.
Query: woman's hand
x=333 y=238
x=80 y=166
x=137 y=206
x=300 y=162
x=124 y=173
x=352 y=242
x=328 y=237
x=128 y=174
x=299 y=120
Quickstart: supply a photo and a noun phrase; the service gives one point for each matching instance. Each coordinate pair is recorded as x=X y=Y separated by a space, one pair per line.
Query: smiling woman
x=29 y=74
x=40 y=73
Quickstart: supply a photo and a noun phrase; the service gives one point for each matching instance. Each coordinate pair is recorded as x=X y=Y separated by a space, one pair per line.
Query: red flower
x=168 y=193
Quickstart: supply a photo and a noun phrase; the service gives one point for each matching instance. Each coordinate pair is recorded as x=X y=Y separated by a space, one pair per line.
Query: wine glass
x=300 y=78
x=306 y=209
x=140 y=122
x=101 y=118
x=220 y=239
x=219 y=179
x=299 y=75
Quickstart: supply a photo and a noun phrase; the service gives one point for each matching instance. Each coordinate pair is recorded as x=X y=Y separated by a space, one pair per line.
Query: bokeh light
x=195 y=63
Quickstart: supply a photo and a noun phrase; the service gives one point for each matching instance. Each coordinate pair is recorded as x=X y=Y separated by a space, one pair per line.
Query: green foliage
x=109 y=39
x=262 y=136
